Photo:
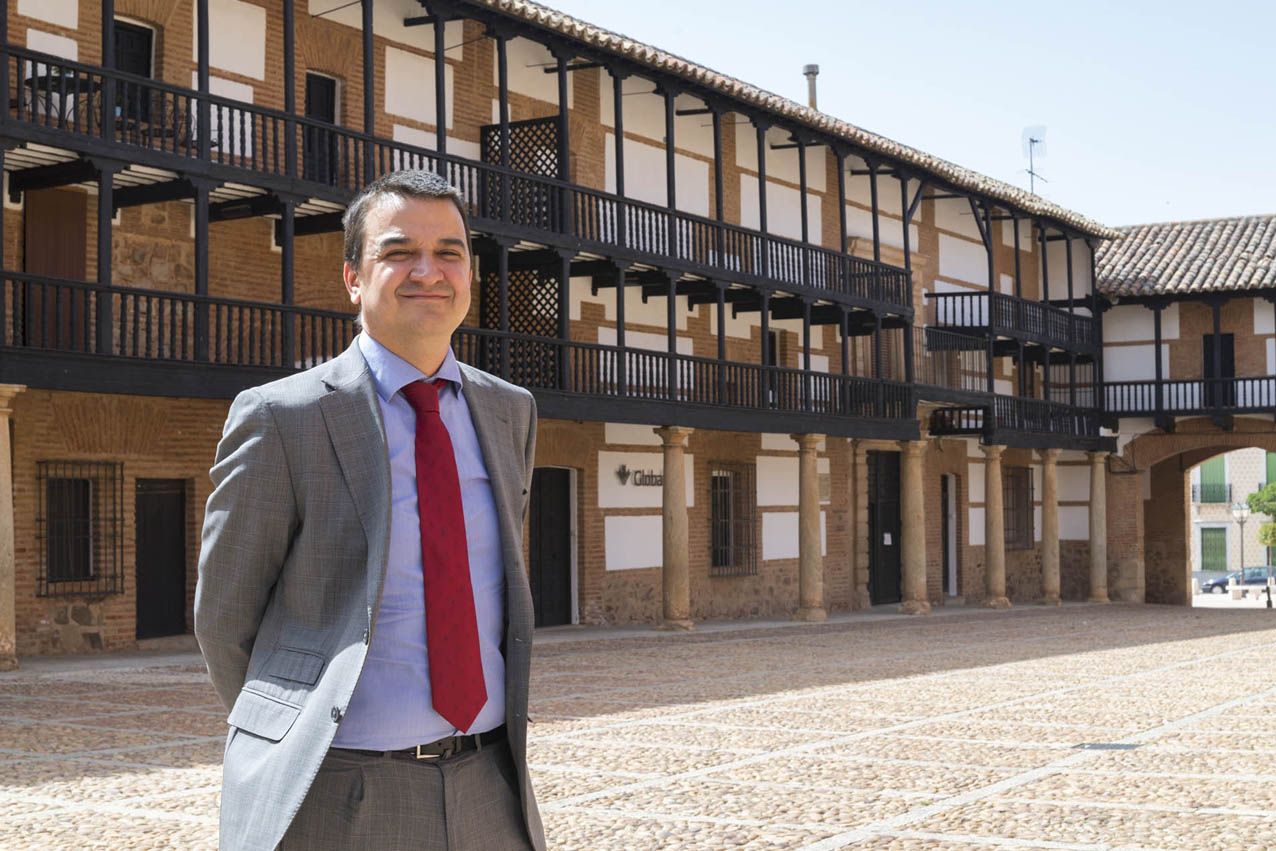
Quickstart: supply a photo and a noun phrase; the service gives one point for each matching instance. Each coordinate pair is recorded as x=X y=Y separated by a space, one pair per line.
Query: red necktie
x=451 y=629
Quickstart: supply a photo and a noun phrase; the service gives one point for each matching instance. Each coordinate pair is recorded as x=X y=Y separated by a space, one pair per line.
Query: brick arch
x=1197 y=435
x=1166 y=460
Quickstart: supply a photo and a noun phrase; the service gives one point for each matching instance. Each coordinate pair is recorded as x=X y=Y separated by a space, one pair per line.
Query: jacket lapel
x=352 y=415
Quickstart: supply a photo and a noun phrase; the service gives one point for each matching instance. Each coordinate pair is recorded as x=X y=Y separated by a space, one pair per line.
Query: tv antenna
x=1034 y=145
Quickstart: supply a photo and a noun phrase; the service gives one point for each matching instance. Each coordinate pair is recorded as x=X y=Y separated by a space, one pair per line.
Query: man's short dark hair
x=425 y=185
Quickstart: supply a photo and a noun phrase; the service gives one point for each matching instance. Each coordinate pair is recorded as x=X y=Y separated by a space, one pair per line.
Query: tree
x=1263 y=501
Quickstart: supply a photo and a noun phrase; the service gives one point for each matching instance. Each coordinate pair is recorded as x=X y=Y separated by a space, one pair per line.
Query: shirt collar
x=390 y=373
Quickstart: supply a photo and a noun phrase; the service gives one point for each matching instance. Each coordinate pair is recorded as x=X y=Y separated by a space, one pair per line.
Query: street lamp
x=1240 y=512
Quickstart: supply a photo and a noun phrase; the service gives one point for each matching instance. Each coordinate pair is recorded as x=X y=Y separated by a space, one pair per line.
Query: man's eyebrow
x=392 y=240
x=453 y=240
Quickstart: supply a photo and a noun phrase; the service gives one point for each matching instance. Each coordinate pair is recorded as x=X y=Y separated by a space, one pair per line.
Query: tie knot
x=423 y=396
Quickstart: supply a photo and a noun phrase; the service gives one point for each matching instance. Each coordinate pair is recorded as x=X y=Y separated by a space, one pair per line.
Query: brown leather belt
x=442 y=749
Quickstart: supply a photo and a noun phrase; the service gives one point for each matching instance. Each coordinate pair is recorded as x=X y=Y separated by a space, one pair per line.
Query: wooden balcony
x=996 y=314
x=70 y=335
x=1191 y=396
x=60 y=103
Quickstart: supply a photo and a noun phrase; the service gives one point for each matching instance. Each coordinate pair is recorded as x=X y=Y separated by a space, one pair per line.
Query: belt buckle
x=449 y=747
x=420 y=755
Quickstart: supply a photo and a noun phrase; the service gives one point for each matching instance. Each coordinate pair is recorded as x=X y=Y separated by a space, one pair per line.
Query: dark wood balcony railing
x=1185 y=397
x=69 y=97
x=59 y=316
x=950 y=360
x=1014 y=317
x=1017 y=414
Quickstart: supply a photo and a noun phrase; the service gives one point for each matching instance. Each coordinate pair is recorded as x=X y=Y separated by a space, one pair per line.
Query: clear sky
x=1155 y=111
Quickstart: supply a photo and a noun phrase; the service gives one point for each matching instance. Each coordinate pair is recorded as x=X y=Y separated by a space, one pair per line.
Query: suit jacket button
x=336 y=715
x=365 y=636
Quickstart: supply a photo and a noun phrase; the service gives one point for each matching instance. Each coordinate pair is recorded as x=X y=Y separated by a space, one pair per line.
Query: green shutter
x=1214 y=480
x=1271 y=467
x=1214 y=549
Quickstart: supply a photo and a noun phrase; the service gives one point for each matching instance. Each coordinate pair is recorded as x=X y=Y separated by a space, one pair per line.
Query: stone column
x=810 y=561
x=857 y=458
x=676 y=571
x=8 y=625
x=1050 y=526
x=1098 y=528
x=994 y=531
x=912 y=498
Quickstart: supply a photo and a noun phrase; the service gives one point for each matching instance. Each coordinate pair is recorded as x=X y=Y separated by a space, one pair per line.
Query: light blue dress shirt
x=391 y=707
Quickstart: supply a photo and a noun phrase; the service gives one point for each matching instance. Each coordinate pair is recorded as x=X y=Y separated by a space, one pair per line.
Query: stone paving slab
x=950 y=733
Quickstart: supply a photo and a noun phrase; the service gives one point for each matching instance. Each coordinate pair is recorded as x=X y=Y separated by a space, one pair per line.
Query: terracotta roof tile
x=647 y=55
x=1214 y=255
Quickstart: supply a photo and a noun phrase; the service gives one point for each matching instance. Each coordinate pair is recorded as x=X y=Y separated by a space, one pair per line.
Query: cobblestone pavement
x=1083 y=727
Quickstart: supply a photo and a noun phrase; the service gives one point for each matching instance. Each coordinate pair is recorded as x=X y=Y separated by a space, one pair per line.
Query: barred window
x=1016 y=494
x=731 y=507
x=78 y=522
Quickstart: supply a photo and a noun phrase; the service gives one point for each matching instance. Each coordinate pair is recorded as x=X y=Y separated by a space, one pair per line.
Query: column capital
x=1097 y=457
x=1050 y=456
x=807 y=442
x=673 y=435
x=7 y=394
x=992 y=452
x=912 y=447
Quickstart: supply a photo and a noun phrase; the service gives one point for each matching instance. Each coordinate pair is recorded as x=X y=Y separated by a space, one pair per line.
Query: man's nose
x=424 y=268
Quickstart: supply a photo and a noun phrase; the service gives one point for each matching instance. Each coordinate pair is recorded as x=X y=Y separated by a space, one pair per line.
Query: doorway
x=161 y=557
x=55 y=317
x=319 y=145
x=948 y=531
x=1223 y=393
x=552 y=546
x=883 y=528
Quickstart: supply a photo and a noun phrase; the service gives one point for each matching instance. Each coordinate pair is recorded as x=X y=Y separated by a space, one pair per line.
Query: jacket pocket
x=298 y=666
x=262 y=715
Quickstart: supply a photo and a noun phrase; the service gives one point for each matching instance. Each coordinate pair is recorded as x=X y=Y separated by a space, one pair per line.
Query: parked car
x=1253 y=576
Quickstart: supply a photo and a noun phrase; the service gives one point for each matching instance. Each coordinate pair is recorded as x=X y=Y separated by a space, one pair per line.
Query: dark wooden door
x=550 y=557
x=53 y=242
x=161 y=557
x=883 y=527
x=319 y=145
x=134 y=47
x=1223 y=393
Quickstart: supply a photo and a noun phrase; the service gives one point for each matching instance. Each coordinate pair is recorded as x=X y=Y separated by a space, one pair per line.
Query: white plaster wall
x=1170 y=322
x=1264 y=318
x=409 y=89
x=954 y=215
x=1036 y=522
x=963 y=260
x=783 y=210
x=1081 y=268
x=737 y=326
x=1006 y=283
x=975 y=481
x=613 y=494
x=859 y=189
x=781 y=164
x=692 y=132
x=645 y=340
x=427 y=140
x=1002 y=387
x=527 y=61
x=975 y=525
x=1074 y=484
x=64 y=13
x=1025 y=234
x=637 y=312
x=387 y=22
x=57 y=45
x=645 y=176
x=631 y=434
x=644 y=112
x=1271 y=356
x=1132 y=427
x=780 y=535
x=1074 y=523
x=236 y=38
x=777 y=479
x=634 y=542
x=795 y=326
x=1134 y=363
x=1130 y=323
x=859 y=223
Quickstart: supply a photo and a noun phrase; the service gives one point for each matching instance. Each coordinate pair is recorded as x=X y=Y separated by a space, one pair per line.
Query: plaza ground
x=1081 y=727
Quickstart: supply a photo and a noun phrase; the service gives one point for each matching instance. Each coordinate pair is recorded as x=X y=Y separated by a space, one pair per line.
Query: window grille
x=1016 y=490
x=731 y=506
x=79 y=517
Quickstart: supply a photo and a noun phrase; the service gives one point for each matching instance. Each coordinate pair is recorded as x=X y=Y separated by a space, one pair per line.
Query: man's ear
x=351 y=279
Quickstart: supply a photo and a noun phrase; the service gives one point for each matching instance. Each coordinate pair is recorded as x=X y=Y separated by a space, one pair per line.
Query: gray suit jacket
x=296 y=535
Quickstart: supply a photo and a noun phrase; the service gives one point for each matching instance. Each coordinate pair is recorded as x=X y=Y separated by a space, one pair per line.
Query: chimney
x=811 y=72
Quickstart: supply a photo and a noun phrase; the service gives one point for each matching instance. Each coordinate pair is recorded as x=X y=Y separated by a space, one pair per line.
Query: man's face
x=413 y=283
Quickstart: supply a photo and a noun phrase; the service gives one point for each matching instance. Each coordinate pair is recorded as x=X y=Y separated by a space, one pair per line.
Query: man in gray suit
x=362 y=604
